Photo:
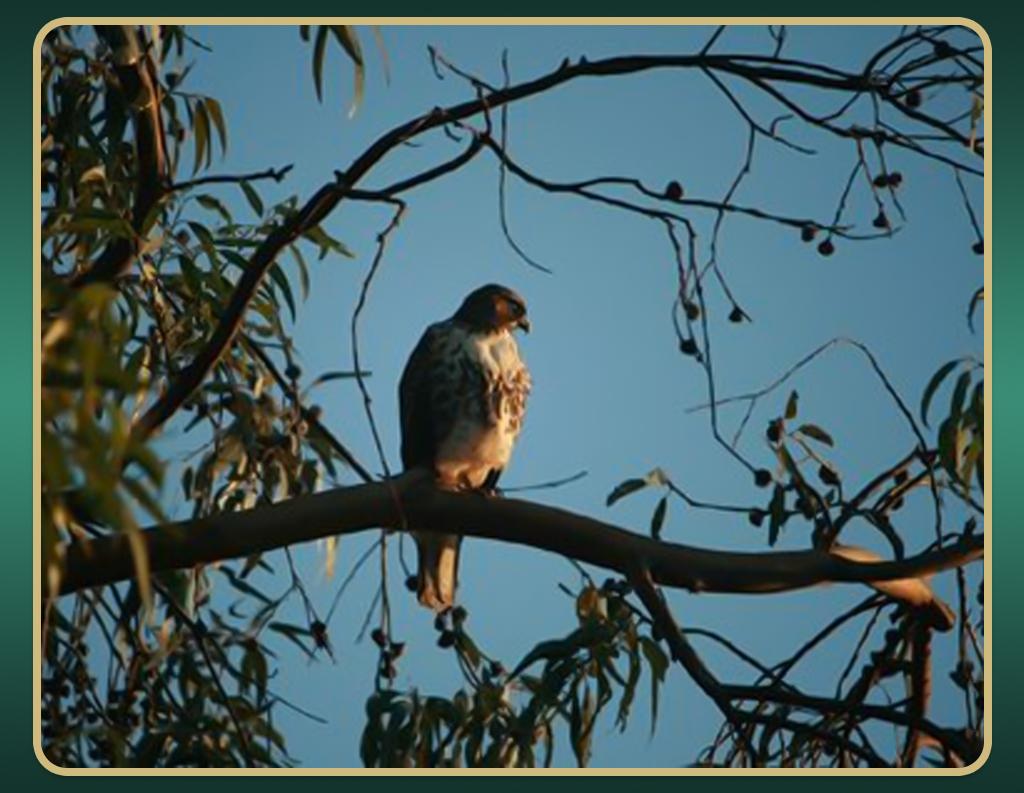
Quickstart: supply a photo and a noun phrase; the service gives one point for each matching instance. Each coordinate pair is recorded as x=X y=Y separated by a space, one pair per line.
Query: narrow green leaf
x=384 y=57
x=326 y=242
x=235 y=258
x=213 y=107
x=971 y=457
x=948 y=432
x=319 y=49
x=252 y=197
x=214 y=205
x=791 y=405
x=349 y=40
x=624 y=489
x=977 y=409
x=201 y=136
x=140 y=561
x=293 y=633
x=205 y=241
x=279 y=278
x=815 y=432
x=303 y=270
x=346 y=36
x=658 y=662
x=658 y=518
x=933 y=386
x=242 y=586
x=956 y=404
x=975 y=299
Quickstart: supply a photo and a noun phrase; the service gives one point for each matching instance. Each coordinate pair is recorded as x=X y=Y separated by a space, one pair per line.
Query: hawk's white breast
x=481 y=439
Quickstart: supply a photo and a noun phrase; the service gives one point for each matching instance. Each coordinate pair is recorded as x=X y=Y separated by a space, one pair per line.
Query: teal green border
x=22 y=23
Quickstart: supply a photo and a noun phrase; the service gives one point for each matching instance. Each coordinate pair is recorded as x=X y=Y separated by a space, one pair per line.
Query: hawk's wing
x=426 y=417
x=419 y=419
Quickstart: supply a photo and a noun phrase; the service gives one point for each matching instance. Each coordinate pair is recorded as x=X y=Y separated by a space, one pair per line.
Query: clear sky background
x=611 y=390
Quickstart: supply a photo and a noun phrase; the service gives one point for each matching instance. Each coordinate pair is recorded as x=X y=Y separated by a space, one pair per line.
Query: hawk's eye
x=514 y=309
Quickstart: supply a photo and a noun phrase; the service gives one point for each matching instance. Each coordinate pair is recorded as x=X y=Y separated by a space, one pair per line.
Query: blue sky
x=611 y=391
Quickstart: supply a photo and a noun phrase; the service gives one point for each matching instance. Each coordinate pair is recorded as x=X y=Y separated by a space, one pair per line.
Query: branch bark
x=107 y=560
x=141 y=89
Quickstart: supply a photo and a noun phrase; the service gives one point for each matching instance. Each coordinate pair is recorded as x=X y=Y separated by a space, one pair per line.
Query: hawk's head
x=493 y=308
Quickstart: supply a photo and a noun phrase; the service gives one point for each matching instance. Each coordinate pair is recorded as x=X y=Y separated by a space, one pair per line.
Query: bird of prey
x=462 y=398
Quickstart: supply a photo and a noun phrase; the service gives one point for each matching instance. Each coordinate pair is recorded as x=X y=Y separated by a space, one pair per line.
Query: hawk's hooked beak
x=524 y=323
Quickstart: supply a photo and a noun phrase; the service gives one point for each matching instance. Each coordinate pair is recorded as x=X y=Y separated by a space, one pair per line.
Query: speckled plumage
x=463 y=398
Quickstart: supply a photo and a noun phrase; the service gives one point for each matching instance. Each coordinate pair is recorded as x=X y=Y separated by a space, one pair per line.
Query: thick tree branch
x=353 y=509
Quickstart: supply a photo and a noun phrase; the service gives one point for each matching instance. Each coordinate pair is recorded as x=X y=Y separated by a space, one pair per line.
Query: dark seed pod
x=688 y=347
x=979 y=248
x=692 y=310
x=762 y=477
x=674 y=191
x=881 y=181
x=411 y=583
x=378 y=636
x=756 y=517
x=826 y=248
x=736 y=315
x=880 y=221
x=895 y=179
x=293 y=372
x=808 y=233
x=827 y=475
x=774 y=431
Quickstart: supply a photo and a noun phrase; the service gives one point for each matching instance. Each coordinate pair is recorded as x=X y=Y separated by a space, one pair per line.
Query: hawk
x=462 y=398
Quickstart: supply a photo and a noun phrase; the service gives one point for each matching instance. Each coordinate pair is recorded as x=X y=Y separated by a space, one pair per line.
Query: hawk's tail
x=438 y=572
